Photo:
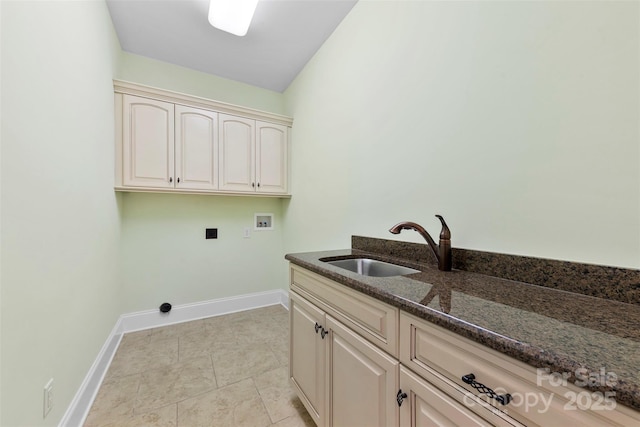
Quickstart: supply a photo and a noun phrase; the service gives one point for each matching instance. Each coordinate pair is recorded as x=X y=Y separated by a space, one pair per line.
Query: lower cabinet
x=496 y=387
x=358 y=362
x=341 y=378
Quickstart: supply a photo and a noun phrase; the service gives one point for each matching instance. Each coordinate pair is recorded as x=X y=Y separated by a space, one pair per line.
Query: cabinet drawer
x=371 y=318
x=428 y=405
x=427 y=349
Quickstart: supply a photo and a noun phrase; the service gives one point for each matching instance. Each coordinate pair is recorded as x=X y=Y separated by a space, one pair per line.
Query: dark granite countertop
x=562 y=331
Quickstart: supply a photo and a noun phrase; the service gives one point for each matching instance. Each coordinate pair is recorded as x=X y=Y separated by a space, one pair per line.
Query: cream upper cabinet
x=196 y=148
x=168 y=146
x=147 y=142
x=171 y=142
x=237 y=153
x=271 y=158
x=254 y=155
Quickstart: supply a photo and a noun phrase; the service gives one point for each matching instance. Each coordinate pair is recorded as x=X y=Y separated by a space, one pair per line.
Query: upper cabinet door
x=237 y=153
x=148 y=143
x=196 y=148
x=271 y=158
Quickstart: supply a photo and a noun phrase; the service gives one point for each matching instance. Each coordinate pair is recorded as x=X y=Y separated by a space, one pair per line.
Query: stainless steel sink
x=372 y=267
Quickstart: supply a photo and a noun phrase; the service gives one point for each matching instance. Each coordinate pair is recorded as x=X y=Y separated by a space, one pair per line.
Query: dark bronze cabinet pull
x=470 y=379
x=170 y=179
x=400 y=397
x=323 y=331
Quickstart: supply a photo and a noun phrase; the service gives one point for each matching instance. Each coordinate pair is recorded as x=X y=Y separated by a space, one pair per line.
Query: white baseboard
x=79 y=407
x=82 y=401
x=199 y=310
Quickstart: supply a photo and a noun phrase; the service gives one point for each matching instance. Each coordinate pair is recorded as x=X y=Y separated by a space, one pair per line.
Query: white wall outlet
x=247 y=233
x=48 y=398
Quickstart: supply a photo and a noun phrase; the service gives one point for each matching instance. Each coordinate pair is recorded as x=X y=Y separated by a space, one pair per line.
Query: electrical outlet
x=48 y=398
x=247 y=233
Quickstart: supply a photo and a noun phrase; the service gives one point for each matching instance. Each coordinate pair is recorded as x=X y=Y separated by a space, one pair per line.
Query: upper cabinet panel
x=237 y=153
x=196 y=153
x=171 y=142
x=148 y=142
x=271 y=157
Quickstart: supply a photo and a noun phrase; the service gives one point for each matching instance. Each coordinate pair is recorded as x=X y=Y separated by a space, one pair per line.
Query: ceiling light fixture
x=232 y=16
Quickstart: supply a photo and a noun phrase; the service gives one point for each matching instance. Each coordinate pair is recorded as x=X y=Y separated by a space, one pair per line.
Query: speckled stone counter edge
x=626 y=392
x=599 y=281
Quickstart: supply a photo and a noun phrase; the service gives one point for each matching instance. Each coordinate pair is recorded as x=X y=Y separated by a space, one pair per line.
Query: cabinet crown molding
x=124 y=87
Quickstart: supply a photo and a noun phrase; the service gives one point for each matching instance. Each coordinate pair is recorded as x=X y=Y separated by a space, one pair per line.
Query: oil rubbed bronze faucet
x=442 y=251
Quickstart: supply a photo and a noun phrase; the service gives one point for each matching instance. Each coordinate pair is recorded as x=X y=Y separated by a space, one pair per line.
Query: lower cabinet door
x=307 y=356
x=363 y=381
x=424 y=404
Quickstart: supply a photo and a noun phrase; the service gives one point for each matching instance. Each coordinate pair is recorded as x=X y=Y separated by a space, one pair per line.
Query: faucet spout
x=442 y=251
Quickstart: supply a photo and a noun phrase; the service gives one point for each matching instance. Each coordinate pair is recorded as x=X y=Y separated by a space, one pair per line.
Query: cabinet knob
x=317 y=327
x=170 y=179
x=324 y=333
x=178 y=180
x=258 y=185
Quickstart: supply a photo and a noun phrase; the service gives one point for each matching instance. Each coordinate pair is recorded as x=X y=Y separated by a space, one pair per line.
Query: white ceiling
x=283 y=36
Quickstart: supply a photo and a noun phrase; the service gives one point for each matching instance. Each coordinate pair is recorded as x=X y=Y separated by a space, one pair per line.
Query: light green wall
x=139 y=69
x=166 y=257
x=517 y=121
x=60 y=217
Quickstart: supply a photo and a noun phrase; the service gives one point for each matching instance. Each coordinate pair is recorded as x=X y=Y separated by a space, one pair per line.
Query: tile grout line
x=264 y=406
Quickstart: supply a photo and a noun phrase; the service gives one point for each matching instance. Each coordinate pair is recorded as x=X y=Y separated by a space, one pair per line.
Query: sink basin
x=372 y=267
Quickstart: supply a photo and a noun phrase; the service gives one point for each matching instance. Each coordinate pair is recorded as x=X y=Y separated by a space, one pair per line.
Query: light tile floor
x=229 y=370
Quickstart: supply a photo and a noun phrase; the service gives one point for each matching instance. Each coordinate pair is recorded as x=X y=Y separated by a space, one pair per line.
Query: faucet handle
x=445 y=233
